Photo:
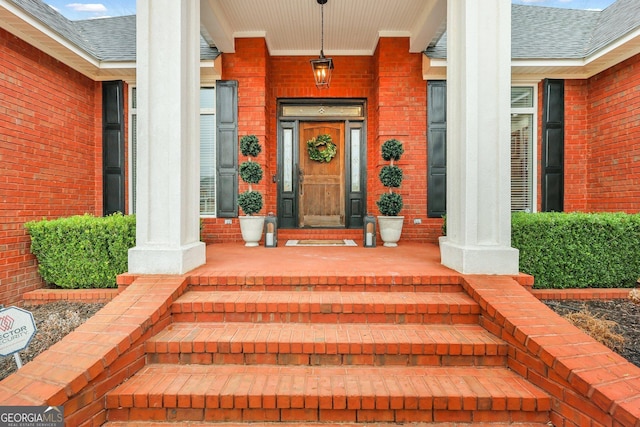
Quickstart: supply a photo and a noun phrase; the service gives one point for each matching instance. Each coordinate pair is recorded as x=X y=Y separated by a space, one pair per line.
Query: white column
x=478 y=237
x=168 y=163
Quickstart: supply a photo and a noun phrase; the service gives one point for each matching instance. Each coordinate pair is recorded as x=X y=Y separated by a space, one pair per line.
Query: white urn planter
x=251 y=228
x=390 y=229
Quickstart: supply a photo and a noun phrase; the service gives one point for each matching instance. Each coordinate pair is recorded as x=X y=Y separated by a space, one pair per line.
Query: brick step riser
x=343 y=318
x=313 y=415
x=216 y=284
x=324 y=359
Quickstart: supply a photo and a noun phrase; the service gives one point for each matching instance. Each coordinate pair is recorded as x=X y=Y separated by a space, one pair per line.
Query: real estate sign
x=16 y=330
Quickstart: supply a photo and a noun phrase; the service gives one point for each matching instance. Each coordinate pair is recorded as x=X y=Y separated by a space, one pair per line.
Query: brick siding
x=614 y=135
x=51 y=161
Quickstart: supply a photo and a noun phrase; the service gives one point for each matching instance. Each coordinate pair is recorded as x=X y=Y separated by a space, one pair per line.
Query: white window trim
x=534 y=150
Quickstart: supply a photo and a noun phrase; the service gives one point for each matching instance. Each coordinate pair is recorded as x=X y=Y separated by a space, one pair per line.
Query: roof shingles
x=554 y=33
x=106 y=39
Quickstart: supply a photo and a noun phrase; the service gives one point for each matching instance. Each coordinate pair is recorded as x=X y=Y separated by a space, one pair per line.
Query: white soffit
x=351 y=27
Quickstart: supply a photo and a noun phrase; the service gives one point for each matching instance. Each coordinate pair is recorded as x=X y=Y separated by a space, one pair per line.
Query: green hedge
x=82 y=251
x=578 y=250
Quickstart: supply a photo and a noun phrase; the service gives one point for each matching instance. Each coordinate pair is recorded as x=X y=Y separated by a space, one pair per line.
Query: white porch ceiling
x=352 y=27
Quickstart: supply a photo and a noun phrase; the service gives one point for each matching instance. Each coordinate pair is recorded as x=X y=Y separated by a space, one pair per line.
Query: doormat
x=321 y=242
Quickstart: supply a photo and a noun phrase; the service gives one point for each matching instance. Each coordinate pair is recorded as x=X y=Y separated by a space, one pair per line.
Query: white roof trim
x=44 y=30
x=431 y=24
x=215 y=26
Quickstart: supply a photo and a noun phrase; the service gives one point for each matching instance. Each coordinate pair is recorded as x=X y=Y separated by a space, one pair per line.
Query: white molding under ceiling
x=293 y=27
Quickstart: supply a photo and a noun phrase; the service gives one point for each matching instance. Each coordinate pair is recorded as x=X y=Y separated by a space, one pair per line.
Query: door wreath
x=327 y=152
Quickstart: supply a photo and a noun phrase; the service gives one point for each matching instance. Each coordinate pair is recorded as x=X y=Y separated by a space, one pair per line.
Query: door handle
x=300 y=181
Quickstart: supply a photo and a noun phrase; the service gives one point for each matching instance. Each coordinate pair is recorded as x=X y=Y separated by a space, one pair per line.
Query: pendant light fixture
x=322 y=67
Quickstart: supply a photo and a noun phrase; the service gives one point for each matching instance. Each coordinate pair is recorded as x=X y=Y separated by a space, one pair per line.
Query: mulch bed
x=53 y=322
x=624 y=312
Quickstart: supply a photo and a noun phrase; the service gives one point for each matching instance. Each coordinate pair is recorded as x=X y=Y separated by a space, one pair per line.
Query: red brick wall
x=391 y=82
x=50 y=158
x=601 y=133
x=614 y=135
x=402 y=114
x=576 y=145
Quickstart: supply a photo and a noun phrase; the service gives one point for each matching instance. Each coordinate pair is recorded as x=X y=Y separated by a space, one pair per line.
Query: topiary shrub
x=250 y=146
x=250 y=201
x=390 y=203
x=392 y=150
x=251 y=172
x=82 y=252
x=391 y=176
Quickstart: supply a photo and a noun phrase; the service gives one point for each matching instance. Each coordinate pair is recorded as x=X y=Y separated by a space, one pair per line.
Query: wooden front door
x=321 y=184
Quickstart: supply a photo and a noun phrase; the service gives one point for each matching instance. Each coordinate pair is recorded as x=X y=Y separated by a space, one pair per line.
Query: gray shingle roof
x=106 y=39
x=58 y=23
x=617 y=20
x=553 y=33
x=114 y=38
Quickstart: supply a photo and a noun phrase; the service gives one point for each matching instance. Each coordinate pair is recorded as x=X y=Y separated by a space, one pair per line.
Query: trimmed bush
x=251 y=172
x=578 y=250
x=250 y=146
x=392 y=149
x=390 y=176
x=390 y=204
x=82 y=251
x=250 y=202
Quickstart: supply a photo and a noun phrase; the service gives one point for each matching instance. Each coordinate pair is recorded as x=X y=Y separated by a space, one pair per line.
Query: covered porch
x=384 y=67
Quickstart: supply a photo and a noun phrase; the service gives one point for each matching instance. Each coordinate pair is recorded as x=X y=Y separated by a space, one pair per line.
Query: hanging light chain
x=322 y=30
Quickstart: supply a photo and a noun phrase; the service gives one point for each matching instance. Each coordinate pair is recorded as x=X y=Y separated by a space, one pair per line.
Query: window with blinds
x=207 y=150
x=522 y=147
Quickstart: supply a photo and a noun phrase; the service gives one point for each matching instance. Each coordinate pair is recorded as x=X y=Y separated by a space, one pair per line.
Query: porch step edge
x=326 y=344
x=325 y=307
x=340 y=388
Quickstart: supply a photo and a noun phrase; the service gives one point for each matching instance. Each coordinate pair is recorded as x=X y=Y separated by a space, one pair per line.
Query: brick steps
x=335 y=394
x=326 y=307
x=332 y=344
x=326 y=356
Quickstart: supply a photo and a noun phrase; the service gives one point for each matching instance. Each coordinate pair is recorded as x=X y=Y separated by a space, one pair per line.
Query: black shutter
x=553 y=146
x=437 y=148
x=113 y=147
x=227 y=148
